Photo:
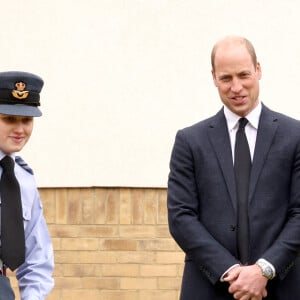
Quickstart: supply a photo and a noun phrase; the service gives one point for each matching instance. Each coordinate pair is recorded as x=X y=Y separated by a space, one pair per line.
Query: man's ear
x=258 y=70
x=214 y=77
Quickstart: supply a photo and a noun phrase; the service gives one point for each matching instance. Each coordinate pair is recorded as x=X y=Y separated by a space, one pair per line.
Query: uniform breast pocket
x=26 y=214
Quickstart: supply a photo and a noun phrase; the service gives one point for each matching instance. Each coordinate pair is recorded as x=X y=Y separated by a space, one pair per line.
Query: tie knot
x=243 y=122
x=7 y=163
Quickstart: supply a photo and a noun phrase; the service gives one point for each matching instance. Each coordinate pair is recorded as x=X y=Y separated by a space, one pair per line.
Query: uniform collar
x=3 y=154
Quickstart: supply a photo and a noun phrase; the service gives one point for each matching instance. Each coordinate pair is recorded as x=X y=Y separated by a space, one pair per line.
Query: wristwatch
x=267 y=270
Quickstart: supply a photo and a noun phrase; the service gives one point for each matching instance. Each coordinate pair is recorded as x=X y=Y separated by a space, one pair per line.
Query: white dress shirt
x=251 y=128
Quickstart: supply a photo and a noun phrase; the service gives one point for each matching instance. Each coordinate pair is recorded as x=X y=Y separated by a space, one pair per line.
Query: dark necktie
x=242 y=169
x=12 y=228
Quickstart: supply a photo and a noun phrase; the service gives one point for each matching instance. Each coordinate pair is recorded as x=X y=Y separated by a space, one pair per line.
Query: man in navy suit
x=202 y=191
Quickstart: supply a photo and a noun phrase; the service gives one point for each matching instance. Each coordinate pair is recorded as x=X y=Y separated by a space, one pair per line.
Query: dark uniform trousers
x=6 y=291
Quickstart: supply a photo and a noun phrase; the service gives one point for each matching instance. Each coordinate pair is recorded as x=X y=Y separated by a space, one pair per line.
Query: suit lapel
x=219 y=138
x=265 y=134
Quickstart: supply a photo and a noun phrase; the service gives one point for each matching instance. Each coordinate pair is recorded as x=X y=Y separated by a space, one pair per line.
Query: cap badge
x=19 y=92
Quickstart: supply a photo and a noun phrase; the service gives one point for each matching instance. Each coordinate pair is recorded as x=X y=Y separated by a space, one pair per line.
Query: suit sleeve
x=183 y=199
x=286 y=248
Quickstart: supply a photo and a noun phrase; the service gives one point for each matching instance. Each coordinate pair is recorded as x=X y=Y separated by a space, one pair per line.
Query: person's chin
x=17 y=148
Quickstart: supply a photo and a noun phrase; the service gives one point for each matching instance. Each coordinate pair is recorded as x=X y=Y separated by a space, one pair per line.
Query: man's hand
x=247 y=283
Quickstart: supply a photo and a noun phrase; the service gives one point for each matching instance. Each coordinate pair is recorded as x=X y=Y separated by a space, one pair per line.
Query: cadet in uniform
x=25 y=242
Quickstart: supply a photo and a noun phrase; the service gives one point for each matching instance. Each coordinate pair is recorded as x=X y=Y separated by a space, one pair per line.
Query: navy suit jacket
x=202 y=205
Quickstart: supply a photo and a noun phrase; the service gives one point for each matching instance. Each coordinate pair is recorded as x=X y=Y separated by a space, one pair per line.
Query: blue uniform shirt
x=35 y=274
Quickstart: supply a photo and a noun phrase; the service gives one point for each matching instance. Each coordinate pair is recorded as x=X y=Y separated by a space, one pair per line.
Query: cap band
x=6 y=97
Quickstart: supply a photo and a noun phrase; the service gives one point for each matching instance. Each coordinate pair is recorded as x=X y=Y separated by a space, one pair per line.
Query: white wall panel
x=122 y=76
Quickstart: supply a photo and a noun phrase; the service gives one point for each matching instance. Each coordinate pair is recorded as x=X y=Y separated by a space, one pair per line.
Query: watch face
x=268 y=272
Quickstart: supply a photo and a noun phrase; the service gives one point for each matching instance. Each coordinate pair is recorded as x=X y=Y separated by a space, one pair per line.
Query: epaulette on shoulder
x=23 y=164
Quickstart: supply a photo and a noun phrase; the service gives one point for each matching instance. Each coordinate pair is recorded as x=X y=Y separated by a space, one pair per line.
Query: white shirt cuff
x=224 y=274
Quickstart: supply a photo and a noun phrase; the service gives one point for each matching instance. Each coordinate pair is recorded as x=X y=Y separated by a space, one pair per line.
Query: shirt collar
x=3 y=154
x=253 y=117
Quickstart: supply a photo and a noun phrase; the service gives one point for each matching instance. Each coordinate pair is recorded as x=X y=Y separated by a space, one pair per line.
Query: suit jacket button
x=232 y=227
